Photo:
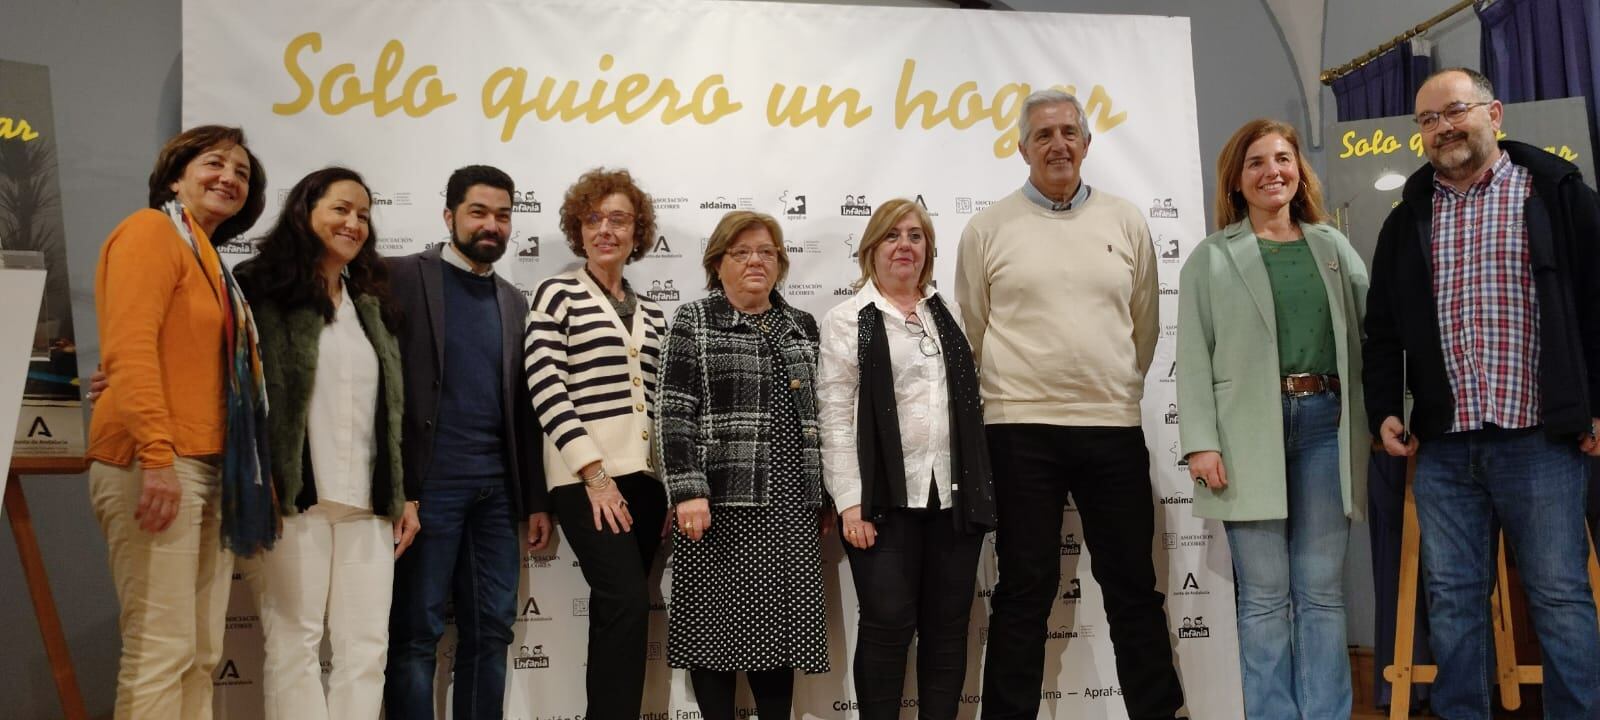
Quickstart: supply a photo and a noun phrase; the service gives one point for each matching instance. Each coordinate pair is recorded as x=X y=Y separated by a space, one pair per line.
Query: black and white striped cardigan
x=593 y=384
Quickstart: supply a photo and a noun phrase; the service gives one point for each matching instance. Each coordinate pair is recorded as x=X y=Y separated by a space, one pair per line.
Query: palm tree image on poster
x=30 y=220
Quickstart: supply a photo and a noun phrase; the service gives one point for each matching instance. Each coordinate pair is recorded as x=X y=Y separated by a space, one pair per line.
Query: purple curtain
x=1384 y=87
x=1542 y=50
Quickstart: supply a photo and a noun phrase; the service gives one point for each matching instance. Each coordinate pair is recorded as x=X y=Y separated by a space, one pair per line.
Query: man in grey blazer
x=471 y=454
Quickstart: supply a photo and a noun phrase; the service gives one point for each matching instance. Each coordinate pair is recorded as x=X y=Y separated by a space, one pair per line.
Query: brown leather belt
x=1303 y=384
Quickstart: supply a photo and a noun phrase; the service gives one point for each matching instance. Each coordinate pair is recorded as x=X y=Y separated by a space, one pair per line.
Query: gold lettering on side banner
x=341 y=88
x=13 y=128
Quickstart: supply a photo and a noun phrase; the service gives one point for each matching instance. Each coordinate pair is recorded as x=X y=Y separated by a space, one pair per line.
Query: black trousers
x=917 y=579
x=1107 y=473
x=617 y=568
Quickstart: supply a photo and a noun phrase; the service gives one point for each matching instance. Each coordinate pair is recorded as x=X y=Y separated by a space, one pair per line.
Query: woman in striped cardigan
x=592 y=353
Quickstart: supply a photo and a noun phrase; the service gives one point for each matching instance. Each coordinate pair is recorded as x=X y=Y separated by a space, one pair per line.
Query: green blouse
x=1305 y=330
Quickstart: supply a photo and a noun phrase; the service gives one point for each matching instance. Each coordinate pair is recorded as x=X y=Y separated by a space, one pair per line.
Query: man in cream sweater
x=1057 y=284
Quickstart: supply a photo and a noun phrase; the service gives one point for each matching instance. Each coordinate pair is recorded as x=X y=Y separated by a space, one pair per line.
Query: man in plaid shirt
x=1485 y=302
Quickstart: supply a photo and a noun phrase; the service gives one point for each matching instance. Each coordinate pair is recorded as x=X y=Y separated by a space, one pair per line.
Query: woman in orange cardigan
x=177 y=345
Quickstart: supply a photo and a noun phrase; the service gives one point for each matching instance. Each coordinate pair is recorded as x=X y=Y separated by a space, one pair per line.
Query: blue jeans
x=1535 y=488
x=1289 y=574
x=467 y=551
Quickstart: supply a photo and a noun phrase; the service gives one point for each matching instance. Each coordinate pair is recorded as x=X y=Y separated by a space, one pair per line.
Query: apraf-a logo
x=855 y=205
x=1168 y=249
x=529 y=249
x=794 y=208
x=531 y=658
x=662 y=291
x=1162 y=208
x=1074 y=591
x=524 y=202
x=1194 y=627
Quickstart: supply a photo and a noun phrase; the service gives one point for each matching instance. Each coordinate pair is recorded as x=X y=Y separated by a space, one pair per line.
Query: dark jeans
x=468 y=551
x=617 y=568
x=917 y=579
x=1107 y=473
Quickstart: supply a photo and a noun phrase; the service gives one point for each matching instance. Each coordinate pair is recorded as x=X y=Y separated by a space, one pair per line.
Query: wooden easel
x=44 y=605
x=1509 y=675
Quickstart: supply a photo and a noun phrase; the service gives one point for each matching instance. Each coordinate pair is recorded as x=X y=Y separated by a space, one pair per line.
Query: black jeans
x=617 y=568
x=917 y=579
x=714 y=692
x=1107 y=473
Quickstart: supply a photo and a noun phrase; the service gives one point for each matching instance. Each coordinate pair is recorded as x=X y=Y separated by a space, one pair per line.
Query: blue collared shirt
x=1038 y=198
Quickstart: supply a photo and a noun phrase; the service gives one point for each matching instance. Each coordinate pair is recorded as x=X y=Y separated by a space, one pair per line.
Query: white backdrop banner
x=814 y=114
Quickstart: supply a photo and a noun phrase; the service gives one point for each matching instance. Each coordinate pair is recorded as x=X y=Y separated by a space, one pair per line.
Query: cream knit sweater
x=1061 y=310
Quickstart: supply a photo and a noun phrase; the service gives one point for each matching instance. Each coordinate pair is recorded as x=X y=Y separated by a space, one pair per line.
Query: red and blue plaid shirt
x=1488 y=311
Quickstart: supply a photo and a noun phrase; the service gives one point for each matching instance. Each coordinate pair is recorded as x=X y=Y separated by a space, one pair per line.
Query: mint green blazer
x=1229 y=398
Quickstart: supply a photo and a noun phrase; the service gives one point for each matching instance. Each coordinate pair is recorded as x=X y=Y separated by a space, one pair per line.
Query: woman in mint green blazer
x=1271 y=418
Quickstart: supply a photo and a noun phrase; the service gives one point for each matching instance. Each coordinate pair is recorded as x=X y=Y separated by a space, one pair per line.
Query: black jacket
x=1563 y=224
x=416 y=285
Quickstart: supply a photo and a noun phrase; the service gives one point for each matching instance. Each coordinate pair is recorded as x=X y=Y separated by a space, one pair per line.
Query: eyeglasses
x=766 y=254
x=619 y=220
x=1454 y=112
x=927 y=344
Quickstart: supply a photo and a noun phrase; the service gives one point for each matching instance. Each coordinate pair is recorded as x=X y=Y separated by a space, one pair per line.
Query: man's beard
x=485 y=254
x=1454 y=163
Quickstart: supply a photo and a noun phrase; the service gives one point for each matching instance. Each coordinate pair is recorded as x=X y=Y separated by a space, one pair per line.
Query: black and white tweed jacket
x=714 y=408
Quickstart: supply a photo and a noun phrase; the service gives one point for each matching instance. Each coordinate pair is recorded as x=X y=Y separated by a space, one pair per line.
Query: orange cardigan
x=161 y=344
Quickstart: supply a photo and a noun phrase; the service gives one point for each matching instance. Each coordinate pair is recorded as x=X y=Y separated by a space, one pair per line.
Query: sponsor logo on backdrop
x=662 y=249
x=1169 y=331
x=1170 y=417
x=580 y=607
x=1191 y=587
x=1172 y=373
x=527 y=248
x=1070 y=545
x=1073 y=592
x=1194 y=627
x=523 y=201
x=652 y=651
x=793 y=206
x=1169 y=540
x=1199 y=539
x=662 y=605
x=530 y=611
x=538 y=561
x=237 y=246
x=531 y=658
x=394 y=245
x=1166 y=289
x=664 y=202
x=1162 y=208
x=983 y=635
x=1101 y=693
x=1178 y=459
x=396 y=199
x=924 y=205
x=1060 y=632
x=855 y=205
x=802 y=289
x=963 y=206
x=1167 y=248
x=1177 y=499
x=724 y=203
x=662 y=291
x=242 y=622
x=850 y=244
x=228 y=675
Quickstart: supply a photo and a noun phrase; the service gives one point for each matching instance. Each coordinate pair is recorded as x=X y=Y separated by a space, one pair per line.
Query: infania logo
x=531 y=658
x=1194 y=627
x=1170 y=417
x=525 y=202
x=662 y=291
x=855 y=205
x=1162 y=208
x=237 y=246
x=794 y=207
x=1070 y=545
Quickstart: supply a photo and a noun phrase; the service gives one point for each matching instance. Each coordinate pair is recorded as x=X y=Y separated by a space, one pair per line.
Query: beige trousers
x=173 y=589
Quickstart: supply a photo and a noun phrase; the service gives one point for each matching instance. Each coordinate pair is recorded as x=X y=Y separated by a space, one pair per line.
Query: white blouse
x=344 y=406
x=919 y=390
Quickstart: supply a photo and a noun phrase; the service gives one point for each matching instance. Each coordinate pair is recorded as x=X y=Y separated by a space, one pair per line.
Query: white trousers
x=334 y=562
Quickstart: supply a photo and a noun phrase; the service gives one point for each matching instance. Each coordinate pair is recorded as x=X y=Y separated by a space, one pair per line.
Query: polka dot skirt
x=748 y=595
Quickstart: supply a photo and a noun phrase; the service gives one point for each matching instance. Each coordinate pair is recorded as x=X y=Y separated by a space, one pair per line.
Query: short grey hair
x=1050 y=96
